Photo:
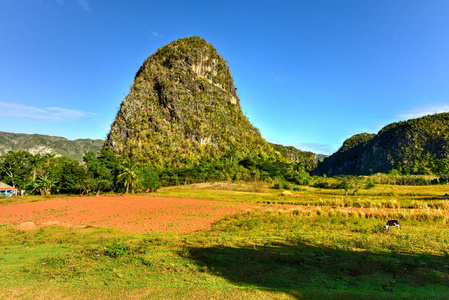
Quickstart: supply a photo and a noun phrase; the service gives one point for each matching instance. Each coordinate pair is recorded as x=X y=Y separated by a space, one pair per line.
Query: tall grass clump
x=339 y=202
x=418 y=204
x=443 y=204
x=391 y=204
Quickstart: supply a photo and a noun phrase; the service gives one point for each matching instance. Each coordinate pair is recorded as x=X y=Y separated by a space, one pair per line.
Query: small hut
x=7 y=190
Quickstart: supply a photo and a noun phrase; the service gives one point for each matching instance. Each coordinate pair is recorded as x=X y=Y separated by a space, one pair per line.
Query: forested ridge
x=42 y=144
x=415 y=146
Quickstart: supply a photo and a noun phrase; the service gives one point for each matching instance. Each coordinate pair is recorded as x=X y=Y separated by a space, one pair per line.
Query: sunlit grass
x=324 y=246
x=382 y=196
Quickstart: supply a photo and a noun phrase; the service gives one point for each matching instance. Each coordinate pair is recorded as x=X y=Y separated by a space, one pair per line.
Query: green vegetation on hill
x=42 y=144
x=344 y=161
x=183 y=110
x=308 y=159
x=411 y=147
x=357 y=140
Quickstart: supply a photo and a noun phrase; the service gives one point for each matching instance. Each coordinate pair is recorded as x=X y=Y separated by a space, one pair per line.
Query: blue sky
x=309 y=73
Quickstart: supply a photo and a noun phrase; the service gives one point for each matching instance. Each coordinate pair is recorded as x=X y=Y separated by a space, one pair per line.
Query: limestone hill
x=409 y=146
x=183 y=109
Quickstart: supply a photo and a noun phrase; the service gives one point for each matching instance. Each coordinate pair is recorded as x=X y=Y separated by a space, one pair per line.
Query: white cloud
x=417 y=112
x=152 y=33
x=19 y=107
x=63 y=113
x=25 y=116
x=85 y=4
x=15 y=110
x=156 y=34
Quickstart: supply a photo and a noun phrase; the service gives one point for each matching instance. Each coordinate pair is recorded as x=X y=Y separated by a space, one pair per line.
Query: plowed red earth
x=140 y=214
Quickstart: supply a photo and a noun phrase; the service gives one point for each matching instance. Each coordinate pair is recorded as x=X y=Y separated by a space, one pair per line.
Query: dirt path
x=140 y=214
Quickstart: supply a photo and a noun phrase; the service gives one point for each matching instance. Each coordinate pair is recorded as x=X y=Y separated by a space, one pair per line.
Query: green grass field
x=312 y=244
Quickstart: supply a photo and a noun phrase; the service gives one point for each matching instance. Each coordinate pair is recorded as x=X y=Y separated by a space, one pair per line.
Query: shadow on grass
x=428 y=198
x=305 y=271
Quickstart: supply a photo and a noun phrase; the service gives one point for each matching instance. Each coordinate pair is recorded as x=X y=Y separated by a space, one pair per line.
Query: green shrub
x=321 y=185
x=116 y=250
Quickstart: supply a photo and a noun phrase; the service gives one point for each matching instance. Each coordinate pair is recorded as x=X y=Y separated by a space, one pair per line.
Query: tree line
x=105 y=172
x=48 y=174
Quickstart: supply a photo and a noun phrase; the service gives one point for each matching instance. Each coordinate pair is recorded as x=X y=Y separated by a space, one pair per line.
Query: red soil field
x=138 y=214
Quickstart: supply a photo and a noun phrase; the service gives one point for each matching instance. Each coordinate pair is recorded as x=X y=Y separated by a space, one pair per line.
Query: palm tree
x=128 y=173
x=37 y=160
x=44 y=184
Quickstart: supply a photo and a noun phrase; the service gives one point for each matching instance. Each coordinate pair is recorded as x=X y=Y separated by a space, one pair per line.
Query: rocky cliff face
x=182 y=109
x=37 y=143
x=409 y=146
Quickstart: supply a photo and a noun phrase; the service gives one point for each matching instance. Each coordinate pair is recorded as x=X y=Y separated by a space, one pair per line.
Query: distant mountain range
x=38 y=143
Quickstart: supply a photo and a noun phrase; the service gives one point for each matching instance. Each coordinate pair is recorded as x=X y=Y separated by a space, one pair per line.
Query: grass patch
x=329 y=246
x=257 y=192
x=256 y=255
